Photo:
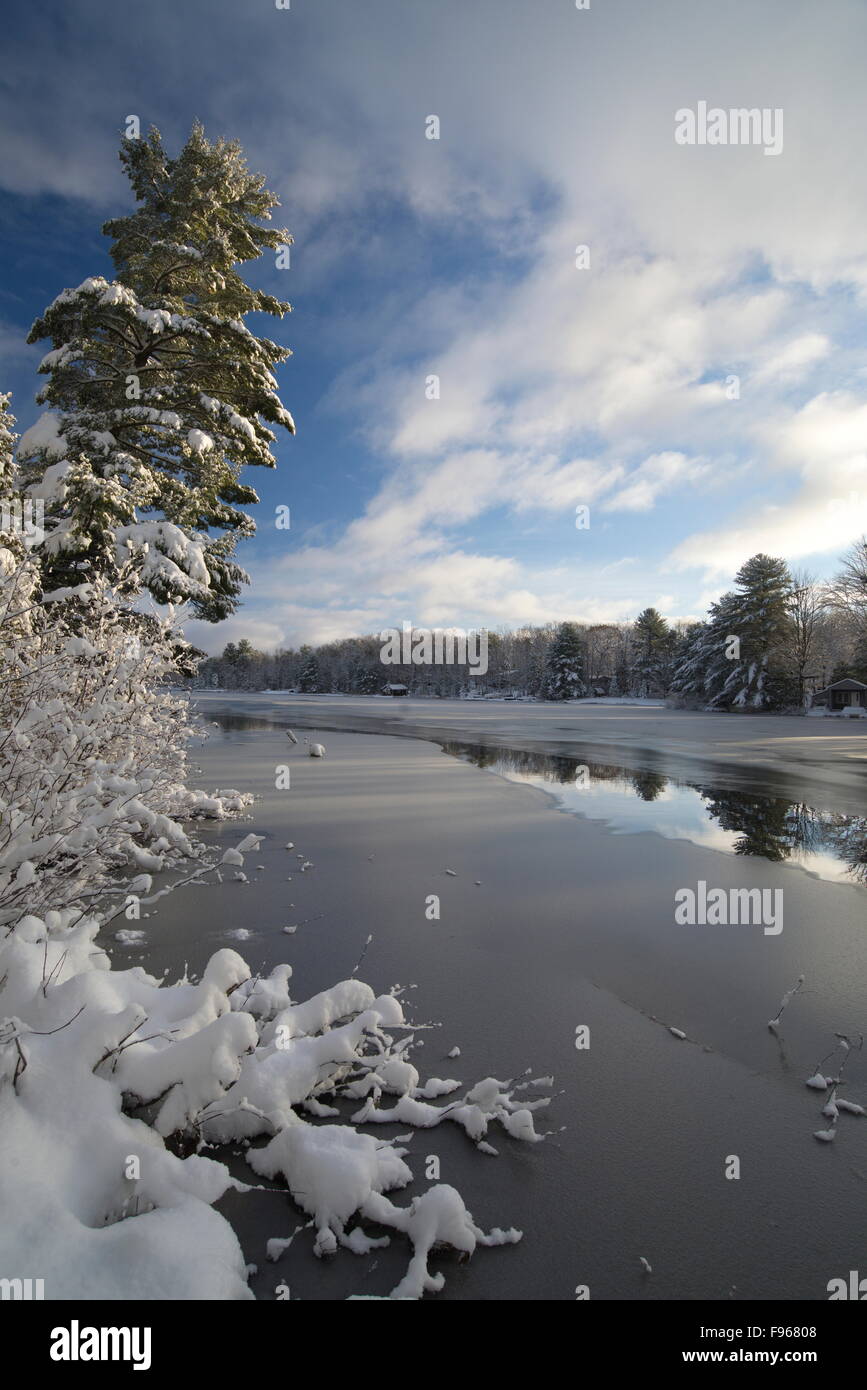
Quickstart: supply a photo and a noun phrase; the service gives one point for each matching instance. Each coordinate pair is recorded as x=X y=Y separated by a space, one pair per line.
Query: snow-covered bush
x=92 y=745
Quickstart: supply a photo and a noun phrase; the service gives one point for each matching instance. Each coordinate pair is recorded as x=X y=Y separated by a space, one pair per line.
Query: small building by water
x=842 y=695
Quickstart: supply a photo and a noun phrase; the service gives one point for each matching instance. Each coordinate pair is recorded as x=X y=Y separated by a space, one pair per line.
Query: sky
x=696 y=378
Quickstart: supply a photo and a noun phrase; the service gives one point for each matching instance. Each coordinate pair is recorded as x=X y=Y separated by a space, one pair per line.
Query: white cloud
x=793 y=360
x=657 y=475
x=824 y=444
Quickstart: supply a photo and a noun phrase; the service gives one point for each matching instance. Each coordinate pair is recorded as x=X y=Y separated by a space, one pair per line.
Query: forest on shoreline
x=776 y=638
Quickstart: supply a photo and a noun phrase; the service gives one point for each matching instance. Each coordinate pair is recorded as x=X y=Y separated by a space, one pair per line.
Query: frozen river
x=550 y=923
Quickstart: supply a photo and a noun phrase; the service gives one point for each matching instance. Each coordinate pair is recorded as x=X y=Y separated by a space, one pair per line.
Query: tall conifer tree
x=565 y=665
x=159 y=392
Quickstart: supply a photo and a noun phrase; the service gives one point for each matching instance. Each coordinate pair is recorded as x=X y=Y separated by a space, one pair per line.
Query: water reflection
x=827 y=843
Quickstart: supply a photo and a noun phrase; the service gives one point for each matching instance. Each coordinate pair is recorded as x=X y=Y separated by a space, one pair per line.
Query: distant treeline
x=765 y=645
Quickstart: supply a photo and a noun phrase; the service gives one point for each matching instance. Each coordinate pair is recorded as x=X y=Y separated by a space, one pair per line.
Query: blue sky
x=559 y=386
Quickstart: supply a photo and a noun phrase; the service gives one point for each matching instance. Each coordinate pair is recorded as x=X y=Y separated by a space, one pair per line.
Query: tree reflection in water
x=770 y=827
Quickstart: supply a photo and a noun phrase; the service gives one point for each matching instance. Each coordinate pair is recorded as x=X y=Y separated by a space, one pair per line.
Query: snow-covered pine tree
x=242 y=660
x=688 y=678
x=739 y=657
x=651 y=653
x=564 y=678
x=705 y=665
x=362 y=679
x=310 y=679
x=159 y=393
x=759 y=677
x=684 y=636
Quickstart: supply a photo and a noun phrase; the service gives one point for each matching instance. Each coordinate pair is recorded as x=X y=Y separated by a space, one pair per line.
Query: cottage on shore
x=842 y=695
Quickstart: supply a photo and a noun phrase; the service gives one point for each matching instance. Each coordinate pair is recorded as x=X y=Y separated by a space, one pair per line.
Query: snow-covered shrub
x=92 y=745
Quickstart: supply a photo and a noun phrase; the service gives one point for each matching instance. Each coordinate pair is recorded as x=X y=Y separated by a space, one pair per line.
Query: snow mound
x=108 y=1077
